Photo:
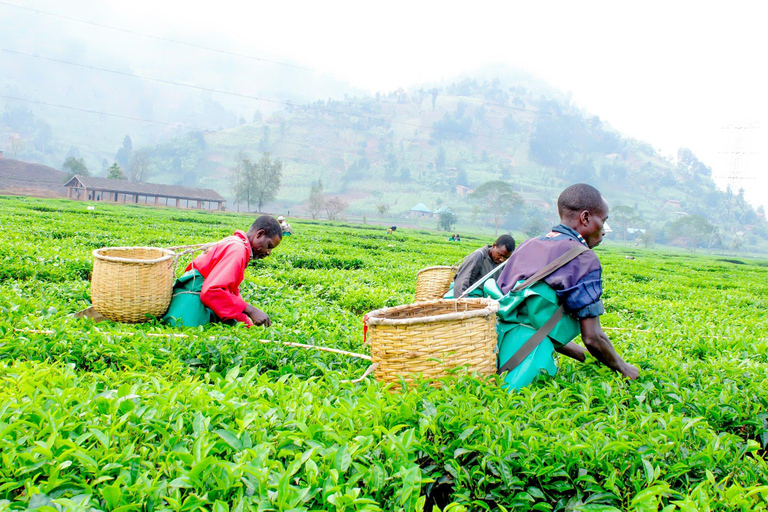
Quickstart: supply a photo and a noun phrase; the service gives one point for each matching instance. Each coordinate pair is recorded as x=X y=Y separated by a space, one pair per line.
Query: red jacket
x=223 y=268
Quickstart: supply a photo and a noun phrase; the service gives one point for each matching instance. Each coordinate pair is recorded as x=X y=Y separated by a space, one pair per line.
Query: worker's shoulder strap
x=534 y=341
x=552 y=267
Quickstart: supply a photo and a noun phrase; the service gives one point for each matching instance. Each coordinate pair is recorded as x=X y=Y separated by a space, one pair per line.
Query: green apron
x=520 y=315
x=477 y=292
x=186 y=307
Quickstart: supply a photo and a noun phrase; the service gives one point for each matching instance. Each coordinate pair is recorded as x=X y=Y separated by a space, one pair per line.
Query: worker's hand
x=258 y=317
x=629 y=371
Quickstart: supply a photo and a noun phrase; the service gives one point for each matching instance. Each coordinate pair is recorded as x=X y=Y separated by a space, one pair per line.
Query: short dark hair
x=580 y=197
x=270 y=226
x=506 y=241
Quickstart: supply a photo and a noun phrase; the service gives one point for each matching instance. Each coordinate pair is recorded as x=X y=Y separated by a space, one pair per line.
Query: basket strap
x=533 y=342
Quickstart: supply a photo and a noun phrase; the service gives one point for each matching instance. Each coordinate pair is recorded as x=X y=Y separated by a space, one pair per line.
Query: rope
x=370 y=369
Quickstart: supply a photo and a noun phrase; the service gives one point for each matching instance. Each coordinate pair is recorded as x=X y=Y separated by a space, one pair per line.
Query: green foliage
x=692 y=229
x=74 y=166
x=257 y=182
x=123 y=417
x=498 y=199
x=316 y=200
x=115 y=172
x=446 y=219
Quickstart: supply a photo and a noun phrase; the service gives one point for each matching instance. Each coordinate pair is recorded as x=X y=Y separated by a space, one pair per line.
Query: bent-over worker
x=575 y=285
x=284 y=226
x=209 y=290
x=480 y=262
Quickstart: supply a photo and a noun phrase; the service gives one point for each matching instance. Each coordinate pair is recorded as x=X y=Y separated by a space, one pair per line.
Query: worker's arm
x=601 y=348
x=467 y=274
x=573 y=351
x=257 y=316
x=223 y=281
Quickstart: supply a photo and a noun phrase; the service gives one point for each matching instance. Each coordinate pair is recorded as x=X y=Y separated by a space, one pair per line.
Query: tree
x=440 y=159
x=692 y=229
x=115 y=172
x=647 y=238
x=264 y=142
x=238 y=179
x=334 y=207
x=74 y=166
x=625 y=216
x=17 y=144
x=535 y=227
x=497 y=198
x=434 y=92
x=446 y=219
x=123 y=156
x=382 y=208
x=262 y=180
x=390 y=166
x=139 y=169
x=316 y=202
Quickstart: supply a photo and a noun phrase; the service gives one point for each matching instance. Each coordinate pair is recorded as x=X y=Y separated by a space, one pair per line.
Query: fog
x=682 y=74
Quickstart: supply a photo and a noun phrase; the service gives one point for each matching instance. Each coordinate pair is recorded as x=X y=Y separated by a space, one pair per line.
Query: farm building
x=420 y=210
x=88 y=188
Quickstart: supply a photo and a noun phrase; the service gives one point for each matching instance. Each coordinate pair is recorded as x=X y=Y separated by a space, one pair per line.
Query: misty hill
x=385 y=153
x=437 y=143
x=26 y=178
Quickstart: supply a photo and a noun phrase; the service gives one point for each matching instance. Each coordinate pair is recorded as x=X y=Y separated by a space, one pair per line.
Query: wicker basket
x=129 y=284
x=433 y=282
x=432 y=338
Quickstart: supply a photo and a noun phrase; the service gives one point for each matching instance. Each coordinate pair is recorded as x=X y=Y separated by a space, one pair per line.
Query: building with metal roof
x=89 y=188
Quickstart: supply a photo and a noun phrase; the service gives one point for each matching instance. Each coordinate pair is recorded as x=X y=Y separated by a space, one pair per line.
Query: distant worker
x=209 y=290
x=457 y=237
x=287 y=231
x=452 y=238
x=562 y=295
x=481 y=262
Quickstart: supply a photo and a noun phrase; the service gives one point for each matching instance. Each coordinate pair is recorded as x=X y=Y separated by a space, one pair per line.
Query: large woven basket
x=433 y=282
x=432 y=338
x=130 y=284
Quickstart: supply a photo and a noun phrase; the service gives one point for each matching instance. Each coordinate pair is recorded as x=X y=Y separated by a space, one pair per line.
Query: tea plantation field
x=118 y=417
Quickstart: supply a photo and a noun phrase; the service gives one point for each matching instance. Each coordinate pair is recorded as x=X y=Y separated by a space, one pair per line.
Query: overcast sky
x=671 y=73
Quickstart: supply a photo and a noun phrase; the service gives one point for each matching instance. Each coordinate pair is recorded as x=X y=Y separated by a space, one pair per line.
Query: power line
x=159 y=38
x=240 y=95
x=251 y=57
x=163 y=123
x=304 y=145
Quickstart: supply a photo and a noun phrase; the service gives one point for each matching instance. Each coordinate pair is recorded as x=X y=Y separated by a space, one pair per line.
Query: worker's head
x=264 y=234
x=502 y=249
x=583 y=209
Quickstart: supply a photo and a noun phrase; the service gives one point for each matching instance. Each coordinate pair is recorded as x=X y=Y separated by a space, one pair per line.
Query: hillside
x=433 y=145
x=26 y=178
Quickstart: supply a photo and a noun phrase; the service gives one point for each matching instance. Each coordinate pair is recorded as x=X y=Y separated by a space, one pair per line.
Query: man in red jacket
x=209 y=290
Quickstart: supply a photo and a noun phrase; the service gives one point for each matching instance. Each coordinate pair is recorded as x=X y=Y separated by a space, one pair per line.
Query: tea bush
x=122 y=417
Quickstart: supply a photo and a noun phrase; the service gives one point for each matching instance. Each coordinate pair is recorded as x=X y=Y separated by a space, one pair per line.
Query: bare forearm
x=601 y=348
x=573 y=351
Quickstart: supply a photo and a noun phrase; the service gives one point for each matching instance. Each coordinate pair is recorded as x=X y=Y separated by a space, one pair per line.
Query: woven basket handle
x=189 y=249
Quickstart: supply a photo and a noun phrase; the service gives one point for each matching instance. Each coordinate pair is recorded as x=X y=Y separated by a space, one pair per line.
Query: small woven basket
x=433 y=282
x=432 y=338
x=130 y=284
